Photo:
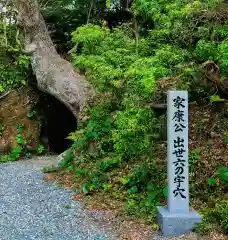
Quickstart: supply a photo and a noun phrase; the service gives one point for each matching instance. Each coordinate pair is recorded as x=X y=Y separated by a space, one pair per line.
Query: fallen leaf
x=78 y=197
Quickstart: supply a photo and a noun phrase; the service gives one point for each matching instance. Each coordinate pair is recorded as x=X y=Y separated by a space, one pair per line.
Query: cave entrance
x=57 y=122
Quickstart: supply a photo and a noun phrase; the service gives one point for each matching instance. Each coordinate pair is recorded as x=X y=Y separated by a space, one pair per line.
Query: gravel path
x=33 y=209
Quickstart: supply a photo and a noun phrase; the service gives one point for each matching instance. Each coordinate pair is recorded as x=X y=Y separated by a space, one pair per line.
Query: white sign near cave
x=177 y=218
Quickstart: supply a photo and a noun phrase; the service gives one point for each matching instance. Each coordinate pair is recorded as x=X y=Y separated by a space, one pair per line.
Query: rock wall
x=13 y=111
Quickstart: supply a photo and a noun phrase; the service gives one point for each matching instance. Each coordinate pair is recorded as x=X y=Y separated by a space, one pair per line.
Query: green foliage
x=89 y=35
x=68 y=157
x=70 y=168
x=222 y=177
x=20 y=151
x=177 y=21
x=17 y=152
x=40 y=149
x=64 y=16
x=2 y=128
x=23 y=61
x=226 y=137
x=94 y=180
x=194 y=156
x=206 y=226
x=119 y=128
x=66 y=206
x=223 y=52
x=133 y=189
x=223 y=173
x=14 y=66
x=206 y=50
x=139 y=176
x=212 y=181
x=49 y=169
x=31 y=115
x=220 y=214
x=106 y=165
x=120 y=123
x=216 y=98
x=80 y=172
x=19 y=138
x=141 y=209
x=28 y=155
x=214 y=218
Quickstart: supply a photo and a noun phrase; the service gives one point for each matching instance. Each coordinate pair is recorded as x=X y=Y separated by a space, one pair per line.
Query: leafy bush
x=206 y=50
x=14 y=66
x=222 y=177
x=214 y=218
x=220 y=214
x=139 y=176
x=119 y=129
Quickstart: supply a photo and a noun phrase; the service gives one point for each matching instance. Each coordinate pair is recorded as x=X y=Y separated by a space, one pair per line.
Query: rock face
x=55 y=76
x=13 y=111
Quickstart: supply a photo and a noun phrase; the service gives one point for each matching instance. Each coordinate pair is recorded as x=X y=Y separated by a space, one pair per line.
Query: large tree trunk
x=55 y=75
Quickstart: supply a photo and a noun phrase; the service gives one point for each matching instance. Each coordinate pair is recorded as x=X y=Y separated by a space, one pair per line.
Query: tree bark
x=54 y=75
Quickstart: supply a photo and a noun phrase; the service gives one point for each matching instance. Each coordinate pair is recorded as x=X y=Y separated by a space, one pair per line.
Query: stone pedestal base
x=176 y=224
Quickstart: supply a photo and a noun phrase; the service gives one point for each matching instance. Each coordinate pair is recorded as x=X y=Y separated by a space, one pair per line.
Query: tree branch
x=74 y=48
x=89 y=13
x=4 y=95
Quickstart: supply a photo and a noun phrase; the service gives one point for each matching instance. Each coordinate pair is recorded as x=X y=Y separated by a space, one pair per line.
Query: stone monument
x=177 y=218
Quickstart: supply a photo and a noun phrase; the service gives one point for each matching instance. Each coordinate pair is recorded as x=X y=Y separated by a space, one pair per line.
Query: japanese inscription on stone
x=178 y=200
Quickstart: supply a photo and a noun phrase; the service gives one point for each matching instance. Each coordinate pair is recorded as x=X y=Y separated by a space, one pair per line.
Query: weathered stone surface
x=177 y=126
x=177 y=224
x=59 y=159
x=13 y=110
x=177 y=218
x=54 y=75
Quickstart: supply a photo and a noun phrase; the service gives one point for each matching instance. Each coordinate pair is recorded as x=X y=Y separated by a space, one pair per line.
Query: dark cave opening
x=57 y=123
